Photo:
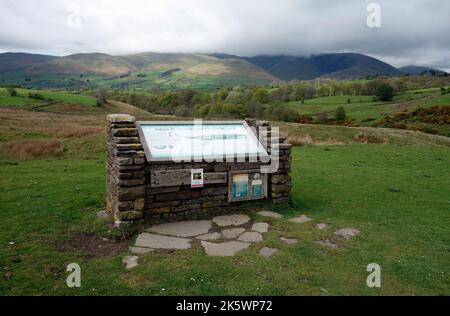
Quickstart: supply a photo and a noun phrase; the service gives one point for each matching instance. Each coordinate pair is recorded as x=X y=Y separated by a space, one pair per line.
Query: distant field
x=366 y=111
x=48 y=96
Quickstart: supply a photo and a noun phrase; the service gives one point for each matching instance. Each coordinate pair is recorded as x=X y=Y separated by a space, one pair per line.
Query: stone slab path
x=231 y=220
x=260 y=227
x=301 y=219
x=152 y=241
x=227 y=239
x=347 y=233
x=222 y=236
x=182 y=229
x=232 y=233
x=267 y=252
x=251 y=237
x=322 y=226
x=212 y=236
x=130 y=262
x=289 y=241
x=226 y=249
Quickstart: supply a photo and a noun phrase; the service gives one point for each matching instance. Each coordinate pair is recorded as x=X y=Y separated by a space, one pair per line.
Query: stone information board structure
x=138 y=186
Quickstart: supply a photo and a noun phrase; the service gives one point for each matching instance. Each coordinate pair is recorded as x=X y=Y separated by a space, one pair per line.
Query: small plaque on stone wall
x=197 y=179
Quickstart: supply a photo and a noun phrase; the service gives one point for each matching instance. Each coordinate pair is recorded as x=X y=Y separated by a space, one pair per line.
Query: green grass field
x=396 y=194
x=365 y=111
x=22 y=98
x=46 y=202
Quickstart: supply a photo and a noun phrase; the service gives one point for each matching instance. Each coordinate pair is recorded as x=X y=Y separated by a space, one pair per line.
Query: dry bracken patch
x=31 y=148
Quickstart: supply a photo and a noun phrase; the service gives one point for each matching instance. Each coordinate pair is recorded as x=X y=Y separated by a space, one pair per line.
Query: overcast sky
x=412 y=31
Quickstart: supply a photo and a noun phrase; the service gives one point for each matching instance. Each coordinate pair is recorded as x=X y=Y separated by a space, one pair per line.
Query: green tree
x=183 y=111
x=340 y=114
x=12 y=91
x=385 y=92
x=102 y=97
x=261 y=95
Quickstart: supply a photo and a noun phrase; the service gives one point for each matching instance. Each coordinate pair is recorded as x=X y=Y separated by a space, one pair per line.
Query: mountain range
x=177 y=70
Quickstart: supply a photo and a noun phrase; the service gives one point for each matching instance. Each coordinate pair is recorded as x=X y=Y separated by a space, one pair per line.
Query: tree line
x=266 y=102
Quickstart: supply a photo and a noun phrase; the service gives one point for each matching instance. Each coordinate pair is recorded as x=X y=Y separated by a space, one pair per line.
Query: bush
x=385 y=92
x=12 y=91
x=36 y=96
x=102 y=97
x=322 y=118
x=340 y=115
x=182 y=111
x=303 y=119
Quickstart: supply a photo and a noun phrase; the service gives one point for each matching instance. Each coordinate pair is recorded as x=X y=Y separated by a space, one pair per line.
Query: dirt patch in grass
x=31 y=148
x=92 y=246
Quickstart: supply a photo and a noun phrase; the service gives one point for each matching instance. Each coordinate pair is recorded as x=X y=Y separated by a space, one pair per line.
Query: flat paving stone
x=212 y=236
x=289 y=241
x=301 y=219
x=267 y=252
x=260 y=227
x=182 y=229
x=251 y=237
x=270 y=214
x=322 y=226
x=231 y=220
x=152 y=241
x=226 y=249
x=130 y=262
x=347 y=233
x=232 y=233
x=141 y=251
x=327 y=243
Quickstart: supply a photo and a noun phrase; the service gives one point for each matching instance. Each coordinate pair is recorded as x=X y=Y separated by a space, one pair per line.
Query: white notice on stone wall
x=197 y=178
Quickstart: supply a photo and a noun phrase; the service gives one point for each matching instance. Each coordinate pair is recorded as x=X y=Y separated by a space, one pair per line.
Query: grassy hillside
x=336 y=66
x=85 y=64
x=14 y=61
x=147 y=71
x=50 y=201
x=368 y=112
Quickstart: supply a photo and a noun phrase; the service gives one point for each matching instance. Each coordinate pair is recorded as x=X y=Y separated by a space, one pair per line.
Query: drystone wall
x=138 y=188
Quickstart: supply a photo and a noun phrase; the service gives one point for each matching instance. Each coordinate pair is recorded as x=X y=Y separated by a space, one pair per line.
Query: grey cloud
x=413 y=31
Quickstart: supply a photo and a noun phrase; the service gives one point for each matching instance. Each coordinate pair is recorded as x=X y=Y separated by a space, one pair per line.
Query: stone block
x=139 y=204
x=131 y=175
x=131 y=194
x=120 y=118
x=183 y=195
x=214 y=191
x=129 y=147
x=185 y=208
x=211 y=204
x=128 y=216
x=124 y=132
x=131 y=182
x=125 y=206
x=160 y=210
x=125 y=140
x=123 y=161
